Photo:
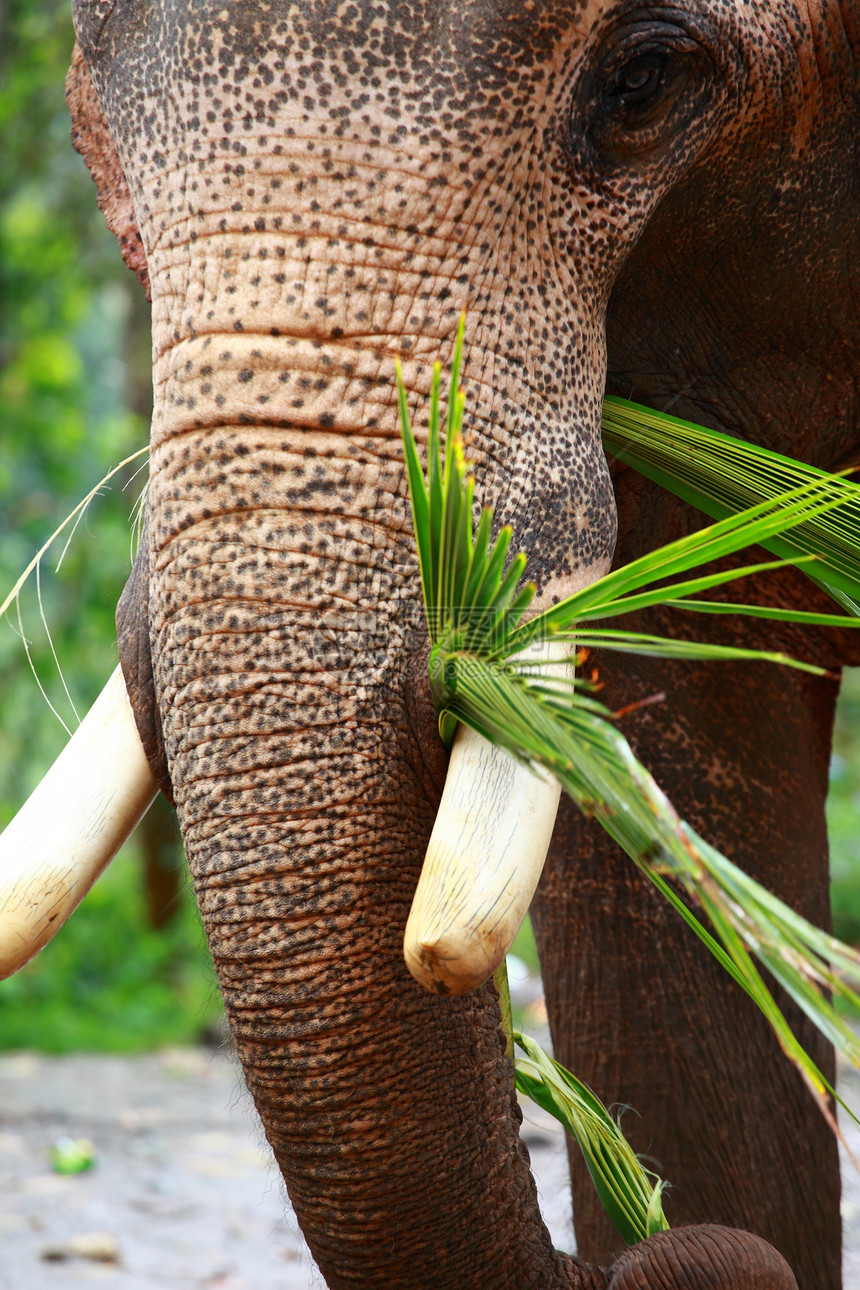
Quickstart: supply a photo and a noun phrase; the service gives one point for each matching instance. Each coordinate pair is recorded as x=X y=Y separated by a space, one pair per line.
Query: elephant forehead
x=351 y=176
x=353 y=102
x=491 y=58
x=470 y=96
x=473 y=42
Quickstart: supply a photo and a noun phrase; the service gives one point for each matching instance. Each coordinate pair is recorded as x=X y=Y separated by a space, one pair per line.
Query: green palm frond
x=722 y=475
x=476 y=599
x=630 y=1194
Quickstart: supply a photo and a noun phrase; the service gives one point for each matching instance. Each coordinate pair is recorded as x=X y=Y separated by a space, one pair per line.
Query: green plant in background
x=74 y=386
x=476 y=601
x=75 y=377
x=110 y=982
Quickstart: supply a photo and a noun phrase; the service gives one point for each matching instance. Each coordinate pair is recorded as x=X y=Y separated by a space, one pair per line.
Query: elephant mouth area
x=431 y=757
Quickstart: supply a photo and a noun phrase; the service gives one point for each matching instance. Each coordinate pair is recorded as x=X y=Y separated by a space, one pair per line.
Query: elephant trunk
x=391 y=1112
x=283 y=610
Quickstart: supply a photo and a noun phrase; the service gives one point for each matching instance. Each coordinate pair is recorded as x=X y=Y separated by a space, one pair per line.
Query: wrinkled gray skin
x=319 y=187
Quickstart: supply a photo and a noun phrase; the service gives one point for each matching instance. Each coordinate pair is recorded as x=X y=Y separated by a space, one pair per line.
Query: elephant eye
x=642 y=94
x=637 y=83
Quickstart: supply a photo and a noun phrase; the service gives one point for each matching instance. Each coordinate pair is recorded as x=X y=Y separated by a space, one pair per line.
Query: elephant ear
x=706 y=1257
x=92 y=138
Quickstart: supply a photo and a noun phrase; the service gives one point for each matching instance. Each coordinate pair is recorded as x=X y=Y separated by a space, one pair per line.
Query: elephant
x=658 y=200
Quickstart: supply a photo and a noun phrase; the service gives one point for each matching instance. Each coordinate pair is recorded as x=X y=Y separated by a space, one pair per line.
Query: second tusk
x=71 y=826
x=484 y=860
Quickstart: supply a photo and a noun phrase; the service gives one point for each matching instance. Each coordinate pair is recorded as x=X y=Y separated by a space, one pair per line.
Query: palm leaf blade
x=722 y=475
x=629 y=1196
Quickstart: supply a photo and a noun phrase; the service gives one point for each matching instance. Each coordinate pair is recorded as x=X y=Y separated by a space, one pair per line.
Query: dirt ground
x=183 y=1192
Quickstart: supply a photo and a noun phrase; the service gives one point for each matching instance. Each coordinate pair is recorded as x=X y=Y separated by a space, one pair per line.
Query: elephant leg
x=639 y=1008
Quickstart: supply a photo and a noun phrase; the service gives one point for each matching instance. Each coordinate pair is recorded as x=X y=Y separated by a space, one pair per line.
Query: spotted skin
x=318 y=188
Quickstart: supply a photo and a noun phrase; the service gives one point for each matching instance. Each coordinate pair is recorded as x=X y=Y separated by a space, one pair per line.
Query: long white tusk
x=71 y=826
x=484 y=860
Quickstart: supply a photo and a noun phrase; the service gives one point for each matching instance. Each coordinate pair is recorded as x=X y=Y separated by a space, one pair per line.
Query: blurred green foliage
x=843 y=813
x=74 y=401
x=109 y=982
x=74 y=374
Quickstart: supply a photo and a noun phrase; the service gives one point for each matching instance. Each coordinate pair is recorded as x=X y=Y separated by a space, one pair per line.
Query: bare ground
x=184 y=1192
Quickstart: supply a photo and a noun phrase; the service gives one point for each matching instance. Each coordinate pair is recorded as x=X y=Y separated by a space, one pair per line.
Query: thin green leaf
x=722 y=475
x=799 y=616
x=488 y=586
x=665 y=647
x=750 y=527
x=677 y=591
x=486 y=631
x=478 y=563
x=630 y=1197
x=417 y=493
x=500 y=978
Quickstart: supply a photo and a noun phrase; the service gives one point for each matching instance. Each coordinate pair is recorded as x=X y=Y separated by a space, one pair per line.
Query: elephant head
x=310 y=189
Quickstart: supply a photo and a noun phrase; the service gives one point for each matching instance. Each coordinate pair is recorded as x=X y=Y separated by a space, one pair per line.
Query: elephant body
x=658 y=199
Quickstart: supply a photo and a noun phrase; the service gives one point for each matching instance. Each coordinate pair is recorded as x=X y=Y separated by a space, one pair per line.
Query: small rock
x=99 y=1247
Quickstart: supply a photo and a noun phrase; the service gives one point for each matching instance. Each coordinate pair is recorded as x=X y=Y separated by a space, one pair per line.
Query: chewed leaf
x=630 y=1196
